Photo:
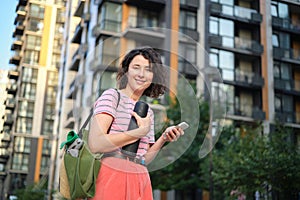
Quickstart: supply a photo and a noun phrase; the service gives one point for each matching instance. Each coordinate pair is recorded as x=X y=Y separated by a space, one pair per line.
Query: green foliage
x=255 y=162
x=31 y=193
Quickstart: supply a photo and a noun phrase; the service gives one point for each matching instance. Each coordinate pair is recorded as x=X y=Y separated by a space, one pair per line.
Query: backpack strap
x=90 y=116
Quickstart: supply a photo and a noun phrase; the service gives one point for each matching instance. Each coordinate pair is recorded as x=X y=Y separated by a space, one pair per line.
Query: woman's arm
x=100 y=141
x=171 y=134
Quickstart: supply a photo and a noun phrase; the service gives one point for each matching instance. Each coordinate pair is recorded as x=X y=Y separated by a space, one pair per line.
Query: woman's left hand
x=172 y=133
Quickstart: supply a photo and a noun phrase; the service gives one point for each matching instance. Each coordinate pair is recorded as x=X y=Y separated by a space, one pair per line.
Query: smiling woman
x=7 y=15
x=124 y=176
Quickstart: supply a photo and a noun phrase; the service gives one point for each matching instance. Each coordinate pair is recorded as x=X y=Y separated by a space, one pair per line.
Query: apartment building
x=38 y=37
x=68 y=52
x=254 y=45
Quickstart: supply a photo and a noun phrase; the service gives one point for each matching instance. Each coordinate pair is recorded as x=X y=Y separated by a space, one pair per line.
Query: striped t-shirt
x=107 y=103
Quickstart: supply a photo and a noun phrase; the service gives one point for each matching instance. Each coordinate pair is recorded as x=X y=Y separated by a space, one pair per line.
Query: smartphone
x=183 y=125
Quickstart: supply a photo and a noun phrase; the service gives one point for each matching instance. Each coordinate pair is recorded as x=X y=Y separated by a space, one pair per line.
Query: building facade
x=39 y=26
x=68 y=53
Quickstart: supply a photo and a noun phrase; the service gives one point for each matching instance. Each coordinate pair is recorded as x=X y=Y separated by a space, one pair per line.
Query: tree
x=257 y=162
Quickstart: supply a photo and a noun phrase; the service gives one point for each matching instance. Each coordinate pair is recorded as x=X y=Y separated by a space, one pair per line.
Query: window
x=223 y=60
x=107 y=50
x=55 y=60
x=147 y=18
x=103 y=81
x=48 y=127
x=28 y=90
x=25 y=108
x=45 y=163
x=22 y=144
x=35 y=25
x=32 y=57
x=51 y=94
x=187 y=56
x=279 y=10
x=24 y=125
x=33 y=42
x=36 y=11
x=49 y=111
x=20 y=161
x=224 y=28
x=29 y=75
x=188 y=20
x=110 y=17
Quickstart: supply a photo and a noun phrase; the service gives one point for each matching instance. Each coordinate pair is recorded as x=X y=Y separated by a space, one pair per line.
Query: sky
x=7 y=18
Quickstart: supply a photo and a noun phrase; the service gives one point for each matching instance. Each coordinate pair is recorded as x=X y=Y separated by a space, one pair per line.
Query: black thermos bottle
x=141 y=108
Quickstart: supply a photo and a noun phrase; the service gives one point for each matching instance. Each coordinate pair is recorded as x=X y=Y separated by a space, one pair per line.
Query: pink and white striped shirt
x=107 y=103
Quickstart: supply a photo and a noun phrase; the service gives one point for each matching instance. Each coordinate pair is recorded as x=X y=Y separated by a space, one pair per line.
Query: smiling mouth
x=140 y=81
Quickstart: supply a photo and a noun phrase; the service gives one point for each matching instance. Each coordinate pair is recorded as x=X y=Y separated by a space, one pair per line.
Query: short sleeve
x=107 y=103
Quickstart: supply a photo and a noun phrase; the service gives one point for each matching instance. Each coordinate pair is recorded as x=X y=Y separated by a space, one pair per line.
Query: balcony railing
x=286 y=23
x=105 y=61
x=106 y=26
x=249 y=78
x=246 y=110
x=287 y=85
x=236 y=11
x=236 y=42
x=77 y=34
x=293 y=54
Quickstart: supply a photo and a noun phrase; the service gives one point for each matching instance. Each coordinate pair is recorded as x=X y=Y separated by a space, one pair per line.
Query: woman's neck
x=132 y=95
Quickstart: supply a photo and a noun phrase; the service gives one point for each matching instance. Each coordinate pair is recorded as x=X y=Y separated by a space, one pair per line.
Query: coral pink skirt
x=121 y=179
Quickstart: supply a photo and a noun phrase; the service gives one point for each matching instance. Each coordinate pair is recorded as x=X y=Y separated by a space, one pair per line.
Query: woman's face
x=139 y=74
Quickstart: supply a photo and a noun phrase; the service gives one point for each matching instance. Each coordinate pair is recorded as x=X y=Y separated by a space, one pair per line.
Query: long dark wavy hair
x=158 y=85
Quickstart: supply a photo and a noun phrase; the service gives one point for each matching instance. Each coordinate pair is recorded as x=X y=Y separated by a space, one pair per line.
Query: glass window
x=147 y=18
x=24 y=125
x=35 y=25
x=29 y=75
x=51 y=94
x=45 y=163
x=25 y=108
x=36 y=11
x=28 y=90
x=33 y=42
x=227 y=65
x=32 y=57
x=110 y=16
x=46 y=147
x=214 y=25
x=107 y=50
x=275 y=40
x=188 y=20
x=20 y=161
x=48 y=127
x=22 y=144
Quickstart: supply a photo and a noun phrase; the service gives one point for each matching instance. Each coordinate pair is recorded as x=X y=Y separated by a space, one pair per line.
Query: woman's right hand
x=144 y=124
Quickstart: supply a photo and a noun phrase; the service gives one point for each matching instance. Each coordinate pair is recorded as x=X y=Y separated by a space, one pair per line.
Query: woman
x=122 y=177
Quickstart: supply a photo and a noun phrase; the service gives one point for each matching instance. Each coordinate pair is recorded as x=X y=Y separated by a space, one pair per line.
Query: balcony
x=149 y=4
x=236 y=13
x=105 y=61
x=11 y=88
x=286 y=24
x=187 y=68
x=249 y=112
x=19 y=29
x=106 y=27
x=13 y=75
x=190 y=3
x=4 y=155
x=81 y=51
x=77 y=34
x=22 y=2
x=285 y=117
x=79 y=9
x=288 y=55
x=5 y=140
x=8 y=119
x=17 y=44
x=21 y=14
x=248 y=79
x=291 y=87
x=10 y=104
x=15 y=59
x=237 y=44
x=78 y=80
x=70 y=120
x=194 y=34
